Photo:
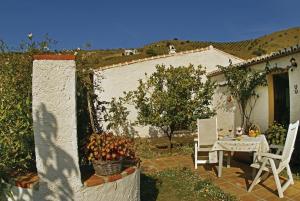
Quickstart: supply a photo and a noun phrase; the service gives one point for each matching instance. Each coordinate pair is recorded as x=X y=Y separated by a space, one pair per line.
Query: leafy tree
x=241 y=84
x=172 y=98
x=117 y=118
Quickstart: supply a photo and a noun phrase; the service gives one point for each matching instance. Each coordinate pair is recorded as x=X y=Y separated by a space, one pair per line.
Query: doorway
x=281 y=98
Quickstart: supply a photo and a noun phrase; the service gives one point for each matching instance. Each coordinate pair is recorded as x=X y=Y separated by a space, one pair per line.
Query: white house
x=278 y=101
x=172 y=49
x=125 y=76
x=130 y=52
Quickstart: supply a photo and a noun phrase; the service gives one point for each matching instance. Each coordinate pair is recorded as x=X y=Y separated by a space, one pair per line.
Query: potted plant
x=107 y=152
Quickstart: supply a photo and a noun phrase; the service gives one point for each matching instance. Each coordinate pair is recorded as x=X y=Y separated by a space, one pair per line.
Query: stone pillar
x=55 y=127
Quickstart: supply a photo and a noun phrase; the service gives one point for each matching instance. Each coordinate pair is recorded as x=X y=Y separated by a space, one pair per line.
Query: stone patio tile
x=220 y=181
x=291 y=192
x=264 y=193
x=273 y=197
x=296 y=198
x=297 y=185
x=248 y=197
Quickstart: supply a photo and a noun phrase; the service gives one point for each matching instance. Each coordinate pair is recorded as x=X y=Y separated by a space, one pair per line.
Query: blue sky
x=134 y=23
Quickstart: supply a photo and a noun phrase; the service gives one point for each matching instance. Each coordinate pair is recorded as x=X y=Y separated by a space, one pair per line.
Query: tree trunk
x=91 y=113
x=170 y=140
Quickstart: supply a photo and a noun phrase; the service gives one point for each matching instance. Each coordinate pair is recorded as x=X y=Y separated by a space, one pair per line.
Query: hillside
x=244 y=49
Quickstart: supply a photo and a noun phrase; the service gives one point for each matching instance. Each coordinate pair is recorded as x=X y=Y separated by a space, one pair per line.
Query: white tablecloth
x=246 y=144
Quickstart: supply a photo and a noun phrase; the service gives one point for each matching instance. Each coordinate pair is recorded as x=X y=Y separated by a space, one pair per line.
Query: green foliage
x=16 y=132
x=151 y=52
x=173 y=98
x=5 y=186
x=259 y=52
x=241 y=84
x=117 y=118
x=276 y=134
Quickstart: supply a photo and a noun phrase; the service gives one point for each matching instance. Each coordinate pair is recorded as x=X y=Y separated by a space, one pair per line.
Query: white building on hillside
x=130 y=52
x=125 y=76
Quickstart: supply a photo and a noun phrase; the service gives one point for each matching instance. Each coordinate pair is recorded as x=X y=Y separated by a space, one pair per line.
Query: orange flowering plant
x=108 y=147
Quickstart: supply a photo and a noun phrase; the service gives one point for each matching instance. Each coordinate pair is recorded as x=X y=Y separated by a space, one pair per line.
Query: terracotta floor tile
x=291 y=192
x=296 y=198
x=248 y=197
x=264 y=193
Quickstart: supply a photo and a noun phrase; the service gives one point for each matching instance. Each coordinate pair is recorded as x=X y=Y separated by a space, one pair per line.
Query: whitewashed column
x=55 y=127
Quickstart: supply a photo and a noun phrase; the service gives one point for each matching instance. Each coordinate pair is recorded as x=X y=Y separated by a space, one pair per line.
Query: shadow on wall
x=56 y=168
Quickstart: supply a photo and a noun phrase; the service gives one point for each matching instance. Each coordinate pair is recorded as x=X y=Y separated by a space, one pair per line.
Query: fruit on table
x=253 y=133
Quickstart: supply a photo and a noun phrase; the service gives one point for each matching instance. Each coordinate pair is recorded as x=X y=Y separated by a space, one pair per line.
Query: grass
x=148 y=148
x=180 y=185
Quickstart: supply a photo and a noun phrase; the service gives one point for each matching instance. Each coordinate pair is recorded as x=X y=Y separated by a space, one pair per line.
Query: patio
x=234 y=180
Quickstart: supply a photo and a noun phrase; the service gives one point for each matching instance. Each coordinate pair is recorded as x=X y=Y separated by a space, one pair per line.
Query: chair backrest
x=207 y=131
x=290 y=142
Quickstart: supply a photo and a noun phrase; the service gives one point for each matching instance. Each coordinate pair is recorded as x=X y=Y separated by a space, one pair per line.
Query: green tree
x=241 y=84
x=172 y=98
x=117 y=118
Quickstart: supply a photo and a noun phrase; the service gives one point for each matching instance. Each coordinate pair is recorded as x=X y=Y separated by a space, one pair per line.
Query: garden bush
x=276 y=134
x=16 y=129
x=16 y=134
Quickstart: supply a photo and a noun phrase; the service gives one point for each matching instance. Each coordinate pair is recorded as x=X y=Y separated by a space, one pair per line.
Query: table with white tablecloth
x=242 y=144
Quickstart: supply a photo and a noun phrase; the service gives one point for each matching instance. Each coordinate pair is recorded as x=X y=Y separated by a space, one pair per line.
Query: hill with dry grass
x=244 y=49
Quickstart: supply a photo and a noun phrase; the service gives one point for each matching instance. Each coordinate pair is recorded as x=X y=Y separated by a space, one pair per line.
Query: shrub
x=276 y=134
x=259 y=52
x=16 y=132
x=151 y=52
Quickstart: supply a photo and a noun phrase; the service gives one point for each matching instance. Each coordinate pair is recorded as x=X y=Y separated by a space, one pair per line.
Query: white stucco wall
x=224 y=108
x=125 y=78
x=55 y=129
x=294 y=81
x=125 y=189
x=260 y=114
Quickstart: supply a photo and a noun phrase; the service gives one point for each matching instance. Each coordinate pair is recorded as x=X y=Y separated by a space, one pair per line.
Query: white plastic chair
x=275 y=163
x=207 y=136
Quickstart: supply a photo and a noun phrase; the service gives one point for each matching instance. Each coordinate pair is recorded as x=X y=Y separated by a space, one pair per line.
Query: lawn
x=180 y=185
x=158 y=146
